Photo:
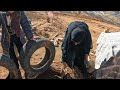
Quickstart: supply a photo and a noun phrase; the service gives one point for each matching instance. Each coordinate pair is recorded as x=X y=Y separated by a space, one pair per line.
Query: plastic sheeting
x=108 y=44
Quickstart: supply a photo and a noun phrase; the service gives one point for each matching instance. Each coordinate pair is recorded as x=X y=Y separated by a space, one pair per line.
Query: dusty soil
x=59 y=24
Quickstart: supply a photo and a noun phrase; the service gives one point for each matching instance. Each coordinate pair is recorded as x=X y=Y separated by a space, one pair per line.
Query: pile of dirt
x=47 y=30
x=35 y=16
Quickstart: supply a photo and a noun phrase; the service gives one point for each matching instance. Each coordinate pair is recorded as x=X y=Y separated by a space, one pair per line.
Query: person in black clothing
x=76 y=46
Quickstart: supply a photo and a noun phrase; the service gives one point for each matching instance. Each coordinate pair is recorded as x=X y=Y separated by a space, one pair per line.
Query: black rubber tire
x=10 y=65
x=28 y=49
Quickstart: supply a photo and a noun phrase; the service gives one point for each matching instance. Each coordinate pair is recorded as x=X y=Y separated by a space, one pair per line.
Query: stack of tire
x=31 y=71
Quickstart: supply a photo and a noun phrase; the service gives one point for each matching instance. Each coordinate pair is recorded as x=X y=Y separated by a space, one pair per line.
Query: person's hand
x=87 y=64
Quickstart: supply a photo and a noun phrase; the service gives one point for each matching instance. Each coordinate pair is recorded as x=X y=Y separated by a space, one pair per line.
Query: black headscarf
x=77 y=35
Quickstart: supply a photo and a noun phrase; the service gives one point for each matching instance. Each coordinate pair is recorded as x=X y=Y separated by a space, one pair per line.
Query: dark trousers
x=79 y=62
x=75 y=60
x=14 y=40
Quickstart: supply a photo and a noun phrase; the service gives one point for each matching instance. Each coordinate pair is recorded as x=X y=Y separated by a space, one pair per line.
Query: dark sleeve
x=88 y=42
x=26 y=25
x=64 y=46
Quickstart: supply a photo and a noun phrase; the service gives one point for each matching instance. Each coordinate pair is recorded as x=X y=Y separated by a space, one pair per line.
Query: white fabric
x=108 y=44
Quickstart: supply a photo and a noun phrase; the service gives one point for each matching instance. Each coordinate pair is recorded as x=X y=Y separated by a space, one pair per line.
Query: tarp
x=108 y=44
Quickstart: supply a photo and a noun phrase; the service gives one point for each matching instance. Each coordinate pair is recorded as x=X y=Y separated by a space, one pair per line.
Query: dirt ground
x=58 y=26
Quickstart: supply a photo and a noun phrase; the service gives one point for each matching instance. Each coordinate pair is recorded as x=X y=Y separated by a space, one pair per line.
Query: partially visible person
x=13 y=34
x=50 y=16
